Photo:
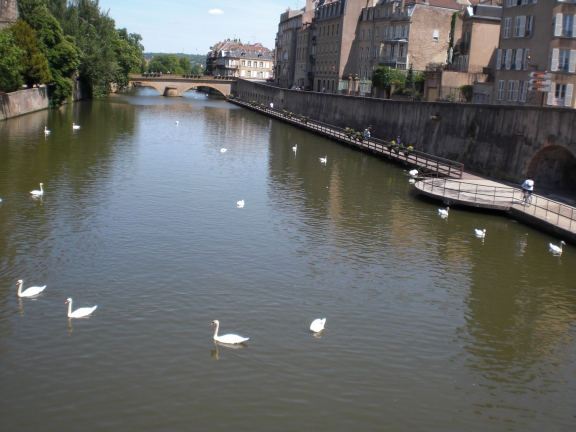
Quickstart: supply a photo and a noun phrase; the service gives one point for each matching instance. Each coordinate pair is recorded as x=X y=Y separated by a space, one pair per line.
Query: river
x=428 y=327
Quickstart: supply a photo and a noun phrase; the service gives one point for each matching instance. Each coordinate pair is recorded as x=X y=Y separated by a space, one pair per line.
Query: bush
x=467 y=91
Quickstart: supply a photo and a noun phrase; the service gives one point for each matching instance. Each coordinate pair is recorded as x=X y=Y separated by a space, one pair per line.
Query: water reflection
x=214 y=352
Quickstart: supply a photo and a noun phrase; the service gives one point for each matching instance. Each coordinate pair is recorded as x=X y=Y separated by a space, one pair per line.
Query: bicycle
x=527 y=197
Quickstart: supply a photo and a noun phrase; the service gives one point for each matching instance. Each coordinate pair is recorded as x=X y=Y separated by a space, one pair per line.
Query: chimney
x=402 y=3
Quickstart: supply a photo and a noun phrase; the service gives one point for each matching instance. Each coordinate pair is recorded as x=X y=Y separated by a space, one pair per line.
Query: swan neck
x=69 y=307
x=216 y=331
x=20 y=289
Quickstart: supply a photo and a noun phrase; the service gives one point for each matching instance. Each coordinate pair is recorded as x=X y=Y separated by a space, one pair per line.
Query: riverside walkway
x=446 y=180
x=541 y=212
x=427 y=163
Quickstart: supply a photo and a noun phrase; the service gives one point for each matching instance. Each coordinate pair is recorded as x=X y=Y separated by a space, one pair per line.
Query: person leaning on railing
x=528 y=187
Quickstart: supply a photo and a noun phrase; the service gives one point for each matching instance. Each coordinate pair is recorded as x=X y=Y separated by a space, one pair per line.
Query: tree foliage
x=384 y=77
x=169 y=63
x=34 y=64
x=10 y=62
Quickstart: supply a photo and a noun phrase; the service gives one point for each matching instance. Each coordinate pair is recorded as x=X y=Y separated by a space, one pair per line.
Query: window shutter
x=522 y=26
x=525 y=63
x=568 y=99
x=574 y=28
x=518 y=61
x=572 y=67
x=554 y=63
x=550 y=100
x=558 y=25
x=509 y=59
x=498 y=58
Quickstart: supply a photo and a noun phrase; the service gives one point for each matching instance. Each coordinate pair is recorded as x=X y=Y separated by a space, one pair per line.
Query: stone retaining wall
x=505 y=142
x=23 y=102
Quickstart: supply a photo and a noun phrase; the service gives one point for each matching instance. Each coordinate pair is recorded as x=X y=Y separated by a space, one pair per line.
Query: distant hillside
x=194 y=58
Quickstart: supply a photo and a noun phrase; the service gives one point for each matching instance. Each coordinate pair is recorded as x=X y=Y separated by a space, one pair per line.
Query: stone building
x=536 y=36
x=233 y=59
x=8 y=12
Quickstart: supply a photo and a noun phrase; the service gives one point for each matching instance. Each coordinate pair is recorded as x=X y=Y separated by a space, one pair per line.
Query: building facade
x=233 y=59
x=536 y=36
x=8 y=12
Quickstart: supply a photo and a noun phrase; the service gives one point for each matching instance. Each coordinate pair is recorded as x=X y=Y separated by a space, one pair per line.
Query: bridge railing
x=435 y=164
x=554 y=212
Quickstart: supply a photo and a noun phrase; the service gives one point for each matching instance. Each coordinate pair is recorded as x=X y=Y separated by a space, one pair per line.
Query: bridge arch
x=159 y=88
x=553 y=166
x=196 y=85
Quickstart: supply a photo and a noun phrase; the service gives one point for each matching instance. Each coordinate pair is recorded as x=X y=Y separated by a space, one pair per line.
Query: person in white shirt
x=528 y=187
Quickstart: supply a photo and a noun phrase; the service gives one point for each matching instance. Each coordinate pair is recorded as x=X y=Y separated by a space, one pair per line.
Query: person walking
x=528 y=187
x=271 y=105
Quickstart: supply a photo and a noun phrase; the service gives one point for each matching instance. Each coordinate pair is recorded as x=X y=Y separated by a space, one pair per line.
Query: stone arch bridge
x=175 y=85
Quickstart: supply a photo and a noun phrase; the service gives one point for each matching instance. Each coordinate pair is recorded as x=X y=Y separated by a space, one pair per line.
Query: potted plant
x=407 y=150
x=391 y=145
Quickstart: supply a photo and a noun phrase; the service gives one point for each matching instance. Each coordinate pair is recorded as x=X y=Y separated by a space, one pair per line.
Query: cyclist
x=528 y=187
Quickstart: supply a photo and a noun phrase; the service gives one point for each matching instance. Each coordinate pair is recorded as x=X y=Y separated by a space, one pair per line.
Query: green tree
x=34 y=64
x=185 y=64
x=128 y=54
x=166 y=63
x=410 y=78
x=197 y=70
x=384 y=77
x=10 y=62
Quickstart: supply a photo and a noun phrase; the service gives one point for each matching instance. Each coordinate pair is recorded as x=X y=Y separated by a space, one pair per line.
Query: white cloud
x=216 y=11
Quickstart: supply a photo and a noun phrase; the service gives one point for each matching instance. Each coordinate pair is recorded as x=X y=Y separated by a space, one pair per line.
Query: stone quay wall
x=503 y=142
x=23 y=102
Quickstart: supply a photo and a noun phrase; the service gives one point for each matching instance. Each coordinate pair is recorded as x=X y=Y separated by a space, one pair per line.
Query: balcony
x=226 y=67
x=393 y=61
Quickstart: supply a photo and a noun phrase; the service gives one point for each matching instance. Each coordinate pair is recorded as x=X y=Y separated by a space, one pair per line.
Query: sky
x=193 y=26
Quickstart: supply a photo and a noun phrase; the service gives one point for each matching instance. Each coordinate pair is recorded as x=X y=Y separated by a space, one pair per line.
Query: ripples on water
x=428 y=327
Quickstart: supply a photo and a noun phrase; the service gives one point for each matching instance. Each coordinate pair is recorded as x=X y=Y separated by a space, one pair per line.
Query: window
x=435 y=35
x=363 y=34
x=361 y=53
x=564 y=60
x=507 y=60
x=520 y=26
x=337 y=29
x=369 y=34
x=405 y=32
x=568 y=25
x=512 y=90
x=249 y=63
x=500 y=93
x=529 y=22
x=560 y=92
x=249 y=73
x=525 y=61
x=376 y=32
x=507 y=22
x=518 y=60
x=386 y=32
x=511 y=3
x=523 y=90
x=243 y=62
x=498 y=59
x=261 y=64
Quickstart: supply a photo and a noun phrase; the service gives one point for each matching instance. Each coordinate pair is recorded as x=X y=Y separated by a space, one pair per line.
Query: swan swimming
x=556 y=250
x=413 y=172
x=443 y=213
x=29 y=292
x=229 y=338
x=223 y=150
x=324 y=160
x=38 y=192
x=176 y=122
x=75 y=126
x=240 y=204
x=294 y=148
x=80 y=312
x=480 y=233
x=46 y=131
x=318 y=325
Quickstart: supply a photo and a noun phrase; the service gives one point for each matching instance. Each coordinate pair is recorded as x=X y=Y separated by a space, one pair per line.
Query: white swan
x=223 y=150
x=240 y=204
x=555 y=249
x=480 y=233
x=413 y=172
x=294 y=148
x=443 y=213
x=318 y=325
x=80 y=312
x=75 y=126
x=324 y=160
x=176 y=122
x=29 y=292
x=411 y=181
x=229 y=338
x=46 y=131
x=38 y=192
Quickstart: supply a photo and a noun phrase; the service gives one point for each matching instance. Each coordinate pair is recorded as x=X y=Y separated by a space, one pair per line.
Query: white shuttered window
x=569 y=92
x=554 y=60
x=498 y=58
x=558 y=25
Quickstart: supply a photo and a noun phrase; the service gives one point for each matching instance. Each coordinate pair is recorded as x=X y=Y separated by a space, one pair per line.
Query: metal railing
x=438 y=165
x=554 y=212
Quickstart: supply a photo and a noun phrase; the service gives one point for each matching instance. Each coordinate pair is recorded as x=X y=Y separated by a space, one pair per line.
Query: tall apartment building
x=8 y=12
x=536 y=35
x=231 y=58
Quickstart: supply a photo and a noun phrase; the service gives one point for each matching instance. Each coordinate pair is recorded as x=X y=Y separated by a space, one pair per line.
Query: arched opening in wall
x=553 y=167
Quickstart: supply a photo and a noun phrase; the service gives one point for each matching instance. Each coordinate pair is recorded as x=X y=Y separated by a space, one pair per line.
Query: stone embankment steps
x=435 y=165
x=545 y=214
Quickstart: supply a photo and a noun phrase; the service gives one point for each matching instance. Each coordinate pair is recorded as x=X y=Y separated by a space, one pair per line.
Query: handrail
x=554 y=212
x=435 y=163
